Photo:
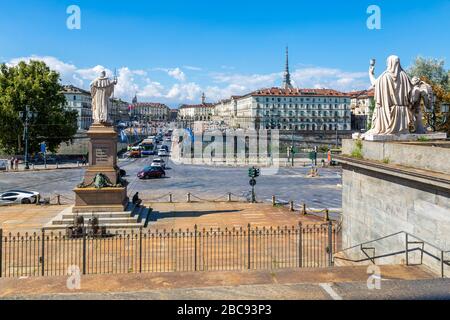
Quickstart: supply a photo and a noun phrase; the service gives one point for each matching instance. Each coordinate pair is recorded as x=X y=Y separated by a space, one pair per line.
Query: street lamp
x=26 y=117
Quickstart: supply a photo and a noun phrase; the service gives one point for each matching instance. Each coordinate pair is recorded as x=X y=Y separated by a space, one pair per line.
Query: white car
x=162 y=153
x=157 y=162
x=19 y=197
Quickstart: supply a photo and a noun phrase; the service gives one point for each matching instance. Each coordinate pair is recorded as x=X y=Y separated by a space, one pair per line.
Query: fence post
x=248 y=249
x=58 y=199
x=229 y=197
x=140 y=250
x=330 y=244
x=291 y=206
x=442 y=264
x=84 y=250
x=38 y=199
x=1 y=252
x=304 y=209
x=188 y=197
x=300 y=245
x=327 y=215
x=274 y=201
x=170 y=198
x=43 y=253
x=195 y=248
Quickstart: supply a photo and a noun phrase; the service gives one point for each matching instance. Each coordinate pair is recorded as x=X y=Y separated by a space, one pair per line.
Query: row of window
x=335 y=100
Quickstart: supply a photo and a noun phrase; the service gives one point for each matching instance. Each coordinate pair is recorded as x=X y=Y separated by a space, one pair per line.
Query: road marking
x=328 y=289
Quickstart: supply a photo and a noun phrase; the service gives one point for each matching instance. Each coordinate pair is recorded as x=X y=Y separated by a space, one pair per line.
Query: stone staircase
x=132 y=218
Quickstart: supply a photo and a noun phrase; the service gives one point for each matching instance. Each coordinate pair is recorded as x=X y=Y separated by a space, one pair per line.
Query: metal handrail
x=406 y=251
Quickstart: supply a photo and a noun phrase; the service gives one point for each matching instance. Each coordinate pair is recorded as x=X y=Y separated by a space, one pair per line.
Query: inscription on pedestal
x=101 y=155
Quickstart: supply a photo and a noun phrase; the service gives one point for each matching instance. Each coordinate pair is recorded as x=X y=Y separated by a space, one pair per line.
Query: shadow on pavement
x=155 y=216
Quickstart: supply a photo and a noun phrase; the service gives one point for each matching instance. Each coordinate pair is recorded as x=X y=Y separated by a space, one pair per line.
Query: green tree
x=33 y=84
x=433 y=72
x=432 y=69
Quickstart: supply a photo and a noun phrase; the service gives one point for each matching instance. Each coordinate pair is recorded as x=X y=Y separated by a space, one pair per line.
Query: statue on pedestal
x=397 y=101
x=102 y=90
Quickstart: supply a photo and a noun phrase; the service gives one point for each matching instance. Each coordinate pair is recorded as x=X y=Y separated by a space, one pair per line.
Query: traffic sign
x=253 y=182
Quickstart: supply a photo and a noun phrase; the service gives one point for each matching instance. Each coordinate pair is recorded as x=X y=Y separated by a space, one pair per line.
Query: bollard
x=78 y=164
x=57 y=165
x=327 y=215
x=58 y=199
x=38 y=199
x=188 y=197
x=33 y=166
x=304 y=209
x=229 y=197
x=274 y=201
x=291 y=206
x=170 y=198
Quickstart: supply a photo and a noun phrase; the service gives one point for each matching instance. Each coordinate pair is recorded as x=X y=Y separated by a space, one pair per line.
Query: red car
x=152 y=172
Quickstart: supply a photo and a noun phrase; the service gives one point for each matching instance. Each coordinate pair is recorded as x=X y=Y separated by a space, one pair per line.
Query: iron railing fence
x=259 y=248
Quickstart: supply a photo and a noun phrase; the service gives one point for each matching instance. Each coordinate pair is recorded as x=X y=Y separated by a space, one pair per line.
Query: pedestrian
x=16 y=164
x=12 y=163
x=84 y=160
x=136 y=200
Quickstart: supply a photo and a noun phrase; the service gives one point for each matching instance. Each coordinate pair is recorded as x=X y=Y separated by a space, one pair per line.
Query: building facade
x=288 y=109
x=79 y=100
x=150 y=112
x=361 y=103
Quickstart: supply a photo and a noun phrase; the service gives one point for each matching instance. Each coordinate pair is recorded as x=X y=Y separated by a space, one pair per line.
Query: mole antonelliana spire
x=287 y=76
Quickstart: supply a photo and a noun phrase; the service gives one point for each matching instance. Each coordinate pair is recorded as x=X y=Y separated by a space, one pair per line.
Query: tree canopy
x=34 y=85
x=433 y=72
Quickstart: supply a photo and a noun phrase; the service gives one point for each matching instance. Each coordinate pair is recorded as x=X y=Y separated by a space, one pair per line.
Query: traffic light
x=254 y=173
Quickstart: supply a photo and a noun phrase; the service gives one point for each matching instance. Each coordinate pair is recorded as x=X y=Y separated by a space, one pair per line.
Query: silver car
x=18 y=197
x=3 y=165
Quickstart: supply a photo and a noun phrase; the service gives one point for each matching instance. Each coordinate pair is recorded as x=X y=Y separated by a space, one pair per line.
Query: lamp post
x=26 y=117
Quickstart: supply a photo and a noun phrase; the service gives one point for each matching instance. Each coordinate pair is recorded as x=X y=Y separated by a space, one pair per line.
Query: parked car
x=19 y=197
x=158 y=162
x=152 y=172
x=3 y=165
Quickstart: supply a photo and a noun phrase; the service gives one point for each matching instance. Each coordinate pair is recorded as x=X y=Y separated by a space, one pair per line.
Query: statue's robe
x=392 y=114
x=101 y=90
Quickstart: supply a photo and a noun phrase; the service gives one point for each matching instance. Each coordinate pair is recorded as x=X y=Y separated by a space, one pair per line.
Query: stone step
x=99 y=215
x=117 y=226
x=101 y=221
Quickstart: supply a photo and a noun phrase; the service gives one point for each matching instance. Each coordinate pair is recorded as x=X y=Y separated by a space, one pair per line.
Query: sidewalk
x=41 y=167
x=277 y=284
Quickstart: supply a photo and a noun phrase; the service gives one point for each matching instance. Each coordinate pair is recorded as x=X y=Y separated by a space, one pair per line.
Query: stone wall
x=380 y=199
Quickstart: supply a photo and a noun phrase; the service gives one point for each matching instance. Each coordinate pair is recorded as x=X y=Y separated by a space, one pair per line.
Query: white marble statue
x=101 y=91
x=392 y=114
x=421 y=91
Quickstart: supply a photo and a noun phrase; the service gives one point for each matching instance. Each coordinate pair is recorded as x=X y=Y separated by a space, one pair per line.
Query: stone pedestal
x=401 y=137
x=102 y=159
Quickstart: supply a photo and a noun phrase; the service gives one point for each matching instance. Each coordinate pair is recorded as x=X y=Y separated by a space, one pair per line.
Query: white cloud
x=177 y=74
x=217 y=86
x=184 y=91
x=192 y=68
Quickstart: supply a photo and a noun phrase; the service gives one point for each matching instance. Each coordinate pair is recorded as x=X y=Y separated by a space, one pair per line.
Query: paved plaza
x=205 y=182
x=398 y=282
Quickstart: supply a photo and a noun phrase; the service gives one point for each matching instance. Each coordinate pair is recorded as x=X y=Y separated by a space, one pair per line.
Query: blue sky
x=172 y=51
